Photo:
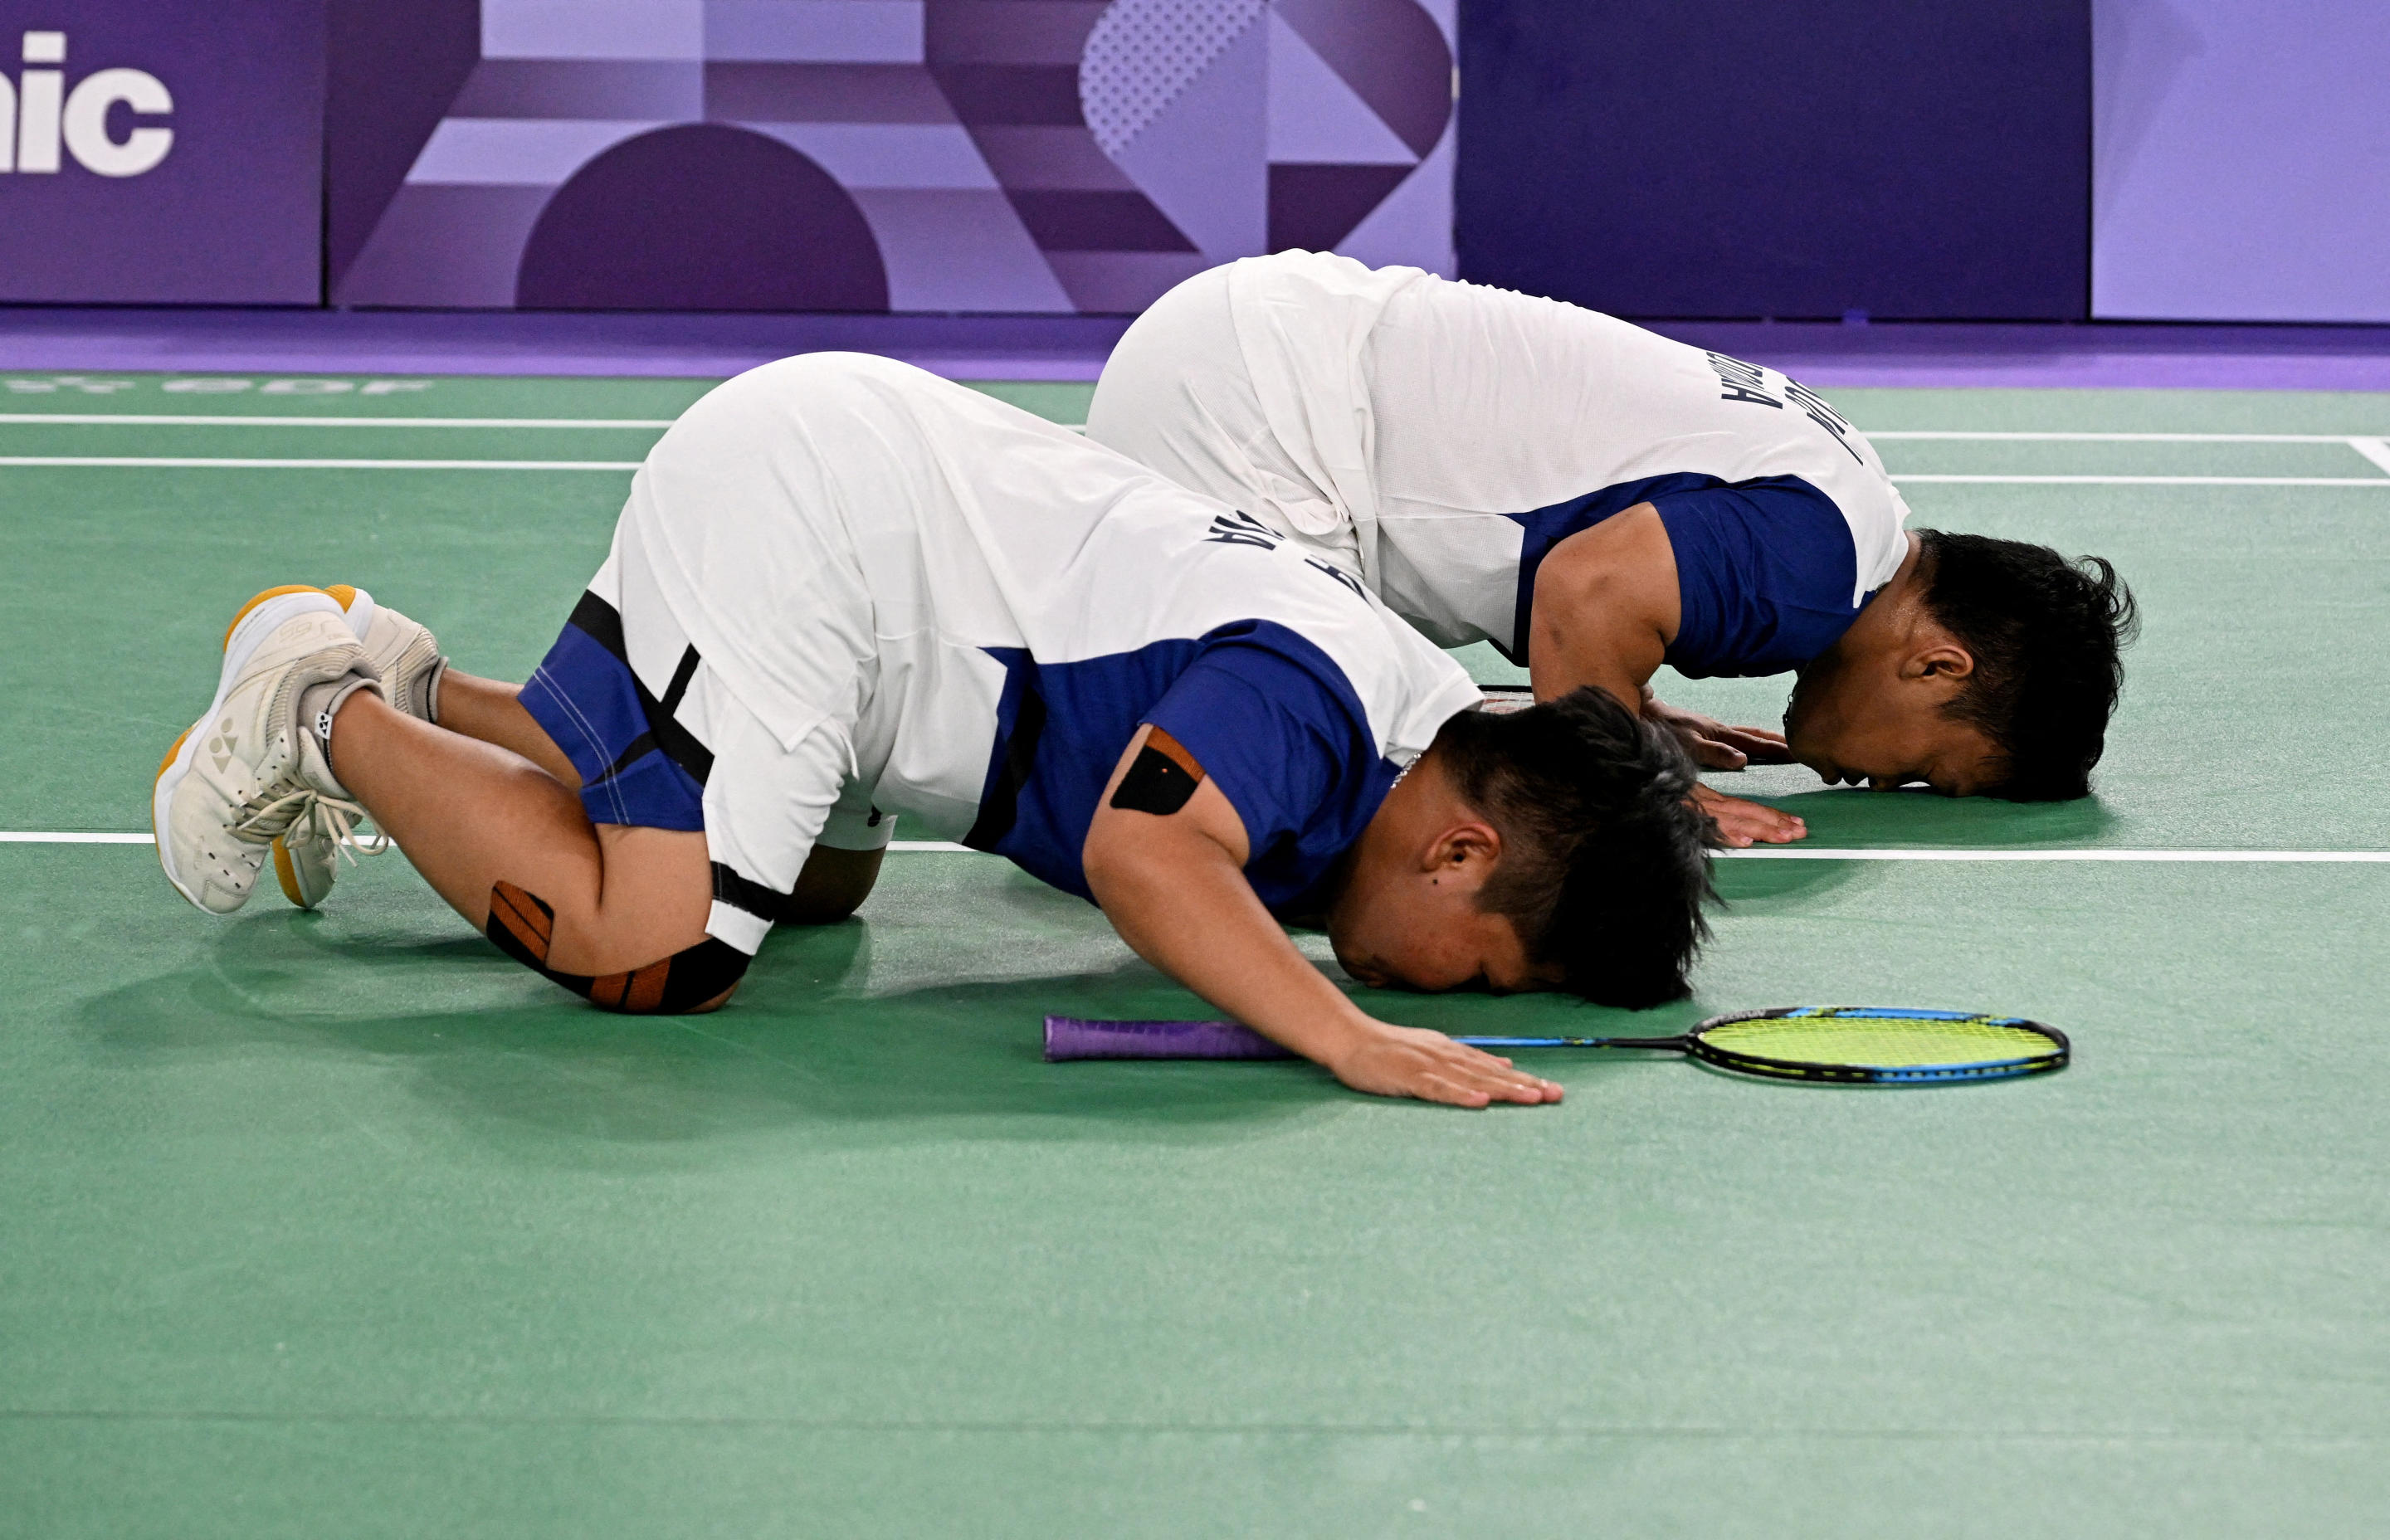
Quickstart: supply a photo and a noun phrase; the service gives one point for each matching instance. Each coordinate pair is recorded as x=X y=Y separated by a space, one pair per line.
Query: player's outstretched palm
x=1405 y=1061
x=1741 y=823
x=1715 y=745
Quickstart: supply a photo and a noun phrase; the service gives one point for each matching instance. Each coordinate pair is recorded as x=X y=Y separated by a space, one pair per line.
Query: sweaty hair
x=1604 y=863
x=2046 y=634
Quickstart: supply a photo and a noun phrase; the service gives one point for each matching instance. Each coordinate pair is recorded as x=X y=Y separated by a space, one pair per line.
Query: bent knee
x=695 y=978
x=715 y=1004
x=698 y=977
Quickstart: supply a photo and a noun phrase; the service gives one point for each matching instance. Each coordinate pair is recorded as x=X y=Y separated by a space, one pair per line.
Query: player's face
x=1849 y=726
x=1429 y=936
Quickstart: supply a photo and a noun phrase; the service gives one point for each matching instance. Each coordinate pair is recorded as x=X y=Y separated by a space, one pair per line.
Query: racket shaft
x=1674 y=1042
x=1068 y=1037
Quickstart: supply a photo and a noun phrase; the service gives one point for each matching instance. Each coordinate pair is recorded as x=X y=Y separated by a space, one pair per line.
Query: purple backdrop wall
x=161 y=153
x=2242 y=155
x=1689 y=158
x=1761 y=158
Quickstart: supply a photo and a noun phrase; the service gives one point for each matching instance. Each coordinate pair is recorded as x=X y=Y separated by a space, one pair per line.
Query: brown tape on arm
x=1162 y=778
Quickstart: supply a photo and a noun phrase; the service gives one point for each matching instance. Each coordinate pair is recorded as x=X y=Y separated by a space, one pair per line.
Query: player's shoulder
x=832 y=381
x=1405 y=684
x=828 y=372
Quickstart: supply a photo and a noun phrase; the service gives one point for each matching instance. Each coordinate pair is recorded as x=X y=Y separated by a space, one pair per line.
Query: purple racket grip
x=1073 y=1037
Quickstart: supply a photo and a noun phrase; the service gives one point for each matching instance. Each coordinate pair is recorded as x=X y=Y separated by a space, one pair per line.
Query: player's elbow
x=1594 y=630
x=1110 y=858
x=1130 y=860
x=1571 y=598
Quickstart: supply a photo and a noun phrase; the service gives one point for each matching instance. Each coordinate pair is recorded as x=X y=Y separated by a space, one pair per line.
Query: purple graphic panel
x=906 y=155
x=161 y=154
x=391 y=72
x=702 y=217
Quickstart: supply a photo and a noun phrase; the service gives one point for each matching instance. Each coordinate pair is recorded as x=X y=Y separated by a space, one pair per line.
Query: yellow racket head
x=1878 y=1045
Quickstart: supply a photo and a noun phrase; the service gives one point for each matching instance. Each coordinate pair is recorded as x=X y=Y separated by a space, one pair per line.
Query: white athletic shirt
x=1438 y=438
x=979 y=607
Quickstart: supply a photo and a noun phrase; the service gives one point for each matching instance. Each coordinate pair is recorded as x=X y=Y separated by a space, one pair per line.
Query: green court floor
x=340 y=1223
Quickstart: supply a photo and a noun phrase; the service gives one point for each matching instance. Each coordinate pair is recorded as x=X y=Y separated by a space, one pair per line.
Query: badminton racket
x=1835 y=1045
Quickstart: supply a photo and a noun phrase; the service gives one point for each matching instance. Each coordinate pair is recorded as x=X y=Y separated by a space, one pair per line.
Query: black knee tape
x=523 y=925
x=1162 y=778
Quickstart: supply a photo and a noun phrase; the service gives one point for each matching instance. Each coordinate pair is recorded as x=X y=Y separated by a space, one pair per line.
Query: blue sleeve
x=1275 y=722
x=1765 y=575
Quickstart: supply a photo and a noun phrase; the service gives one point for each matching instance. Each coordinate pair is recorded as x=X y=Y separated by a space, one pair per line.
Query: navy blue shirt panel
x=1267 y=713
x=1276 y=724
x=1764 y=576
x=1765 y=568
x=1546 y=528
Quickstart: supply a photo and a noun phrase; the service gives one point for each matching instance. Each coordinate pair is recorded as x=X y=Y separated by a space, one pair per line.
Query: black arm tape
x=1161 y=778
x=522 y=926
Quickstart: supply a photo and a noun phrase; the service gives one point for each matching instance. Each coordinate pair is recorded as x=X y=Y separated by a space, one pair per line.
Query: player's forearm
x=1183 y=905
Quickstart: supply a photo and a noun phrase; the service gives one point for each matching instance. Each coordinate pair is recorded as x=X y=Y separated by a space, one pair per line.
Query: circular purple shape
x=702 y=217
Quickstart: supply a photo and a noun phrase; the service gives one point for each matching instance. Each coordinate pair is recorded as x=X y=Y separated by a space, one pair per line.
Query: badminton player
x=1596 y=500
x=843 y=588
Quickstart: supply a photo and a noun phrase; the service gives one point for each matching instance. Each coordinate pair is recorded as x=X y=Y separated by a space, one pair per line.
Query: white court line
x=2162 y=480
x=1796 y=853
x=178 y=462
x=2113 y=438
x=264 y=420
x=2376 y=450
x=49 y=836
x=267 y=420
x=144 y=421
x=1770 y=853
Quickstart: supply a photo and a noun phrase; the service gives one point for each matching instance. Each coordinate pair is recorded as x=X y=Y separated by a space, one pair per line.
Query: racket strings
x=1880 y=1040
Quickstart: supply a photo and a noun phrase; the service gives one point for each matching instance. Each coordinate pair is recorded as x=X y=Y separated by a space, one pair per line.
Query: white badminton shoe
x=405 y=654
x=407 y=657
x=252 y=767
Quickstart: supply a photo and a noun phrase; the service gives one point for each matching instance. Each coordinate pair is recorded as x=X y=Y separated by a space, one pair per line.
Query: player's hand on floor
x=1405 y=1061
x=1715 y=745
x=1741 y=823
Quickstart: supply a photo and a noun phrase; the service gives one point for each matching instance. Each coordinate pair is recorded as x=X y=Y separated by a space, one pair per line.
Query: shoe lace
x=322 y=818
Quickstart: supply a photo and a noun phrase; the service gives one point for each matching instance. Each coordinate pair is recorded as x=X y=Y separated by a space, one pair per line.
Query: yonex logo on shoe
x=324 y=726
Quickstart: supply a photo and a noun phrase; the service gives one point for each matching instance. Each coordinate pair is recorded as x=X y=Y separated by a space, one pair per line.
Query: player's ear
x=1474 y=843
x=1943 y=659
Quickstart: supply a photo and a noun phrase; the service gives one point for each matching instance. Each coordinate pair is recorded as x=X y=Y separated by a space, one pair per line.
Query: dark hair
x=2046 y=634
x=1604 y=866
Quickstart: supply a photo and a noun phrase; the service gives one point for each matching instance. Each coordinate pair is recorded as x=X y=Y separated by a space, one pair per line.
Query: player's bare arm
x=1165 y=857
x=1606 y=609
